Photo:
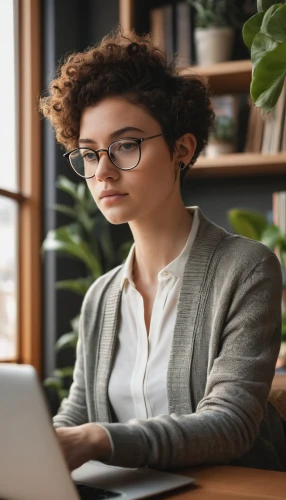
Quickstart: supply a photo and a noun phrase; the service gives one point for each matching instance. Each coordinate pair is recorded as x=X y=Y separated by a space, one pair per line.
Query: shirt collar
x=128 y=268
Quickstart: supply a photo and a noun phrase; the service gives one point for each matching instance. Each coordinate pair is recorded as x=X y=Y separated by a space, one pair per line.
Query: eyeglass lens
x=125 y=154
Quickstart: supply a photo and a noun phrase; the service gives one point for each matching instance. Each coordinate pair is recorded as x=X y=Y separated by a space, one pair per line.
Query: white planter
x=215 y=149
x=213 y=45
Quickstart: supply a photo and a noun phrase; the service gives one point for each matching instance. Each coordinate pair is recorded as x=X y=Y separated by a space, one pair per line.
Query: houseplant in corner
x=88 y=239
x=214 y=29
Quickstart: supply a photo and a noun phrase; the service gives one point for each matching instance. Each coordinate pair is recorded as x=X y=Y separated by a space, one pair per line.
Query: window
x=20 y=236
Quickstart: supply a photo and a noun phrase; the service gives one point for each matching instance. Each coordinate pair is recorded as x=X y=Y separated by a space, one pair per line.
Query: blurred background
x=39 y=193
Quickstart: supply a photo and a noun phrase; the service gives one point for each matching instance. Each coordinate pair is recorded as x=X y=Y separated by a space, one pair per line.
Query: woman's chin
x=116 y=218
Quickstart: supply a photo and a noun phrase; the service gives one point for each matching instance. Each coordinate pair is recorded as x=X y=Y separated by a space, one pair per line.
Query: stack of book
x=171 y=29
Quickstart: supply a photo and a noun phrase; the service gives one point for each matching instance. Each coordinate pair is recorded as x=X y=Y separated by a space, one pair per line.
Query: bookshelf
x=239 y=164
x=230 y=77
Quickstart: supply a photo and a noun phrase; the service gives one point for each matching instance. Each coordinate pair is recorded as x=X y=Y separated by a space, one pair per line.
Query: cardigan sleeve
x=227 y=420
x=73 y=410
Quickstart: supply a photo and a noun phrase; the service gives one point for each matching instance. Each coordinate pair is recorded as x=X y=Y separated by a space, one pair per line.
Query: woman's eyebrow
x=114 y=134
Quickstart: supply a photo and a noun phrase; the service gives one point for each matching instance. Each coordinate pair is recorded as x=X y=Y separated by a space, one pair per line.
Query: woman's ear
x=186 y=147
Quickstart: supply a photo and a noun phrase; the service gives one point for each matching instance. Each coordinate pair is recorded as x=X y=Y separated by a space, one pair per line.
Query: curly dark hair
x=129 y=66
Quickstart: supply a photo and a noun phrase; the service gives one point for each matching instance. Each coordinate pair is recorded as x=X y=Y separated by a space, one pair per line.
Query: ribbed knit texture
x=225 y=345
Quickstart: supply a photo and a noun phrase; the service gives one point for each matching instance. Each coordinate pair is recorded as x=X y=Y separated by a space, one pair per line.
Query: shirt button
x=165 y=273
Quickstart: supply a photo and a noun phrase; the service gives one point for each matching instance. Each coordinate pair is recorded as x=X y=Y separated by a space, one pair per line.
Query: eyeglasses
x=125 y=154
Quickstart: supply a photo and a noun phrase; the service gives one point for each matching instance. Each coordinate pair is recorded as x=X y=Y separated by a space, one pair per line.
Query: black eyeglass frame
x=96 y=151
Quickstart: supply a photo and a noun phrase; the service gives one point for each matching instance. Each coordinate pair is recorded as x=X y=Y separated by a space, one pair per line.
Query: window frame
x=28 y=197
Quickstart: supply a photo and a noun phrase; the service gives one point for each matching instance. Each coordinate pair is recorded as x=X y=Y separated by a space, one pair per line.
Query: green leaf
x=63 y=393
x=264 y=5
x=283 y=257
x=75 y=323
x=61 y=373
x=53 y=382
x=65 y=240
x=268 y=78
x=78 y=285
x=68 y=186
x=274 y=23
x=81 y=189
x=272 y=237
x=251 y=28
x=65 y=210
x=66 y=340
x=261 y=45
x=84 y=219
x=247 y=223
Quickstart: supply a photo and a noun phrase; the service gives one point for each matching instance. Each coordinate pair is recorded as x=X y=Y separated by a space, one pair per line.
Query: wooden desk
x=237 y=483
x=227 y=483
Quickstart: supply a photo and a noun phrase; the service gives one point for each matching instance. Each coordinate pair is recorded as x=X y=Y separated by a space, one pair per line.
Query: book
x=254 y=129
x=161 y=24
x=279 y=118
x=157 y=25
x=168 y=31
x=183 y=45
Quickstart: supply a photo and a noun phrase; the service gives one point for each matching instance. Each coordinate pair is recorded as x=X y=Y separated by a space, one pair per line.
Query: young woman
x=177 y=347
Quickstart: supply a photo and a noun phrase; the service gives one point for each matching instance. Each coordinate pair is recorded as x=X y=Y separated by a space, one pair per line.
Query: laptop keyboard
x=92 y=493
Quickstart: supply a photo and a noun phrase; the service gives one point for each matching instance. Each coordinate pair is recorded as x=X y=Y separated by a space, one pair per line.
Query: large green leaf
x=264 y=5
x=247 y=223
x=251 y=28
x=66 y=340
x=83 y=217
x=274 y=24
x=66 y=241
x=268 y=77
x=78 y=285
x=65 y=210
x=262 y=44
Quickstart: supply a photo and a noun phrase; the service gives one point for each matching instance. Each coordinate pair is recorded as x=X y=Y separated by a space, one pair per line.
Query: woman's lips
x=113 y=198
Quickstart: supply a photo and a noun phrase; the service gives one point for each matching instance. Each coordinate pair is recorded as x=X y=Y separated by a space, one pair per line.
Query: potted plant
x=214 y=29
x=87 y=238
x=221 y=139
x=255 y=226
x=265 y=36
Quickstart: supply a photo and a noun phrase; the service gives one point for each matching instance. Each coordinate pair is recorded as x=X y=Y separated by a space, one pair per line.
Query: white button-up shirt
x=138 y=382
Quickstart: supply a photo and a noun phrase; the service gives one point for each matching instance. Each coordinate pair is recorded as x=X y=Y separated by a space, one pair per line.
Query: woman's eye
x=127 y=146
x=89 y=156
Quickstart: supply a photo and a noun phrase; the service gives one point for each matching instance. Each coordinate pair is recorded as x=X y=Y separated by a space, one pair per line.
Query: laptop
x=32 y=465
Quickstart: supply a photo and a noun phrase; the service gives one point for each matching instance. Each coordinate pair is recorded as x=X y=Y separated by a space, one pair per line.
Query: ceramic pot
x=213 y=45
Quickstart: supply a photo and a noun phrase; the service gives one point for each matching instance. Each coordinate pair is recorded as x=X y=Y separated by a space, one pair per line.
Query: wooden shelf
x=239 y=165
x=225 y=78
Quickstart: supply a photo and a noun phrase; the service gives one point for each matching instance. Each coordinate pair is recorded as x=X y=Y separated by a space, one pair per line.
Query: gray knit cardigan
x=225 y=344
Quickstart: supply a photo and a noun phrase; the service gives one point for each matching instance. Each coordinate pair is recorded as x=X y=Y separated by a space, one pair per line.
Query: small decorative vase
x=213 y=45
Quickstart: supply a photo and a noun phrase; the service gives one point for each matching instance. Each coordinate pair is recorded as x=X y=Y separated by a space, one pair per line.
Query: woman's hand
x=82 y=443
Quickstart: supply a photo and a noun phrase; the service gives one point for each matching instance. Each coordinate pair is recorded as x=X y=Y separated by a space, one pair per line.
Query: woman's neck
x=159 y=239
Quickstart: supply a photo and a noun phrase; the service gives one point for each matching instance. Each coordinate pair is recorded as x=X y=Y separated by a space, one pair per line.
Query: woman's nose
x=105 y=168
